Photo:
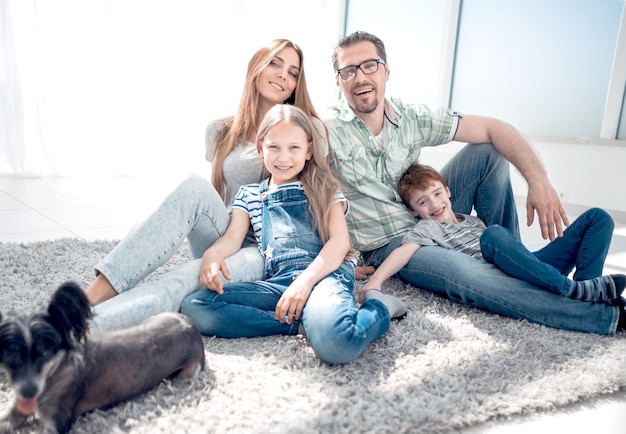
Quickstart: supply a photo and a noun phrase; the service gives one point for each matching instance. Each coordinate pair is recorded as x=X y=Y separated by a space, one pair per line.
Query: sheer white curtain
x=128 y=86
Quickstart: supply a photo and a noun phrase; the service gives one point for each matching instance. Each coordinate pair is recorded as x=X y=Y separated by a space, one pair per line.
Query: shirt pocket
x=395 y=162
x=353 y=164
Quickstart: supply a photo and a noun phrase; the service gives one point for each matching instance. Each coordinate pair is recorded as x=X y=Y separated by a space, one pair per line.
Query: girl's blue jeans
x=337 y=330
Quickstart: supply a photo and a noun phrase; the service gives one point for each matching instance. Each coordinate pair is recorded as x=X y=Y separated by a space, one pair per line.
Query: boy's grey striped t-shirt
x=463 y=236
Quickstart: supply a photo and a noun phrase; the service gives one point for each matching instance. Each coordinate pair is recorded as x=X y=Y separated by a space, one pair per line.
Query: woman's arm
x=328 y=260
x=229 y=243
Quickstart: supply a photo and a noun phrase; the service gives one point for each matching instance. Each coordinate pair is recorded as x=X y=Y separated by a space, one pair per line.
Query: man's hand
x=363 y=272
x=544 y=200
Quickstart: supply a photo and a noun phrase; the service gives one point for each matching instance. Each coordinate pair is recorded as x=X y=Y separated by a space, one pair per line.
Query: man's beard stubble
x=363 y=108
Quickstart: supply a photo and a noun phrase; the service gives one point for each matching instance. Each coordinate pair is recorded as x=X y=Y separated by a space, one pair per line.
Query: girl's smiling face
x=433 y=203
x=285 y=150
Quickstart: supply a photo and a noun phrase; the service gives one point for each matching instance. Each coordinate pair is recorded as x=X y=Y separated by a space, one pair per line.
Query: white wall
x=584 y=171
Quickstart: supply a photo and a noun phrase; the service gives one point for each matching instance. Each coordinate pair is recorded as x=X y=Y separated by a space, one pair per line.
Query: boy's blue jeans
x=584 y=246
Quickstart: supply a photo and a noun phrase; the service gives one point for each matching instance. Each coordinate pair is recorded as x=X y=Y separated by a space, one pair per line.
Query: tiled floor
x=36 y=209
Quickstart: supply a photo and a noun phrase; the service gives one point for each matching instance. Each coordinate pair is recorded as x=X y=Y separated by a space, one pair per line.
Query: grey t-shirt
x=243 y=165
x=463 y=236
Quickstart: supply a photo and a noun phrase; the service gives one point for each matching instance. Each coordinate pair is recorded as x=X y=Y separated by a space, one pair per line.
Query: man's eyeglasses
x=368 y=67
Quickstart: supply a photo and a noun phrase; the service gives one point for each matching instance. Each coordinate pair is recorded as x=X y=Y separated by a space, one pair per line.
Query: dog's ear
x=69 y=311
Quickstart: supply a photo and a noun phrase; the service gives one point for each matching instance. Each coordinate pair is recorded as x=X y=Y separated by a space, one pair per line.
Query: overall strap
x=265 y=221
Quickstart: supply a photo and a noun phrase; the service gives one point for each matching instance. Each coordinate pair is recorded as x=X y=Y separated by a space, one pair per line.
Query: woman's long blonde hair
x=247 y=118
x=320 y=185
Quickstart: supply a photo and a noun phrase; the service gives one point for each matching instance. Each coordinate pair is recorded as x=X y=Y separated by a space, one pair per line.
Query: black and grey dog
x=58 y=372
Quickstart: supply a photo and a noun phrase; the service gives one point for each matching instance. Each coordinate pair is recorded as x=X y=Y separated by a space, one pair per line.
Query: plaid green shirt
x=369 y=175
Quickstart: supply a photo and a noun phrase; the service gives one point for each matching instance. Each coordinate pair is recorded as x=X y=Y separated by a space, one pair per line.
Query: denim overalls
x=290 y=241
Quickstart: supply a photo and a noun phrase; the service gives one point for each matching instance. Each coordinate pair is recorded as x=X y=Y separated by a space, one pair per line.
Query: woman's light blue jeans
x=479 y=176
x=193 y=211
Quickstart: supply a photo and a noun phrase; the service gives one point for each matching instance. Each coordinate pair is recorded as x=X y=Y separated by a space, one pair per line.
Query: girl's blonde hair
x=320 y=185
x=247 y=118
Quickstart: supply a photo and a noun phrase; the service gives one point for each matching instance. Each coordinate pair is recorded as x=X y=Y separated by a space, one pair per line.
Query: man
x=374 y=139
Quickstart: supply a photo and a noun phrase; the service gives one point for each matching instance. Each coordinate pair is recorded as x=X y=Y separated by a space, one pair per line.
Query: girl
x=298 y=218
x=197 y=210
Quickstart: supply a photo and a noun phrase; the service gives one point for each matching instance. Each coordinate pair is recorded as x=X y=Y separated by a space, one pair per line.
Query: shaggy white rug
x=444 y=367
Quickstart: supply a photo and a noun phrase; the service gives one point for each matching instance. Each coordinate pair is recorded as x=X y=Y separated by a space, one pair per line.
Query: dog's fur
x=58 y=372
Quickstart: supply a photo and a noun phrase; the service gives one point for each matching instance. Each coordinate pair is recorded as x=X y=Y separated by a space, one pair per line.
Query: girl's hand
x=210 y=268
x=290 y=305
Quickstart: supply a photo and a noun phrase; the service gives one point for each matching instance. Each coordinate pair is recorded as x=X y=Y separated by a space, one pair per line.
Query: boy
x=583 y=246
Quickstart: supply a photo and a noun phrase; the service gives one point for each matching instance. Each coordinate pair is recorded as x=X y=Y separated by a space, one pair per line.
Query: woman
x=198 y=210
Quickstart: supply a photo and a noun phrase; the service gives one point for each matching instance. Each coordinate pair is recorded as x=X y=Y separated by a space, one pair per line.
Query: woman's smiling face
x=279 y=78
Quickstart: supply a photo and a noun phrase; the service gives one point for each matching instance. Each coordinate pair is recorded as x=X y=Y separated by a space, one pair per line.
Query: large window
x=125 y=86
x=542 y=65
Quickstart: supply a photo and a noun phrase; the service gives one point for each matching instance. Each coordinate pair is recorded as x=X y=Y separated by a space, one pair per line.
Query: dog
x=58 y=371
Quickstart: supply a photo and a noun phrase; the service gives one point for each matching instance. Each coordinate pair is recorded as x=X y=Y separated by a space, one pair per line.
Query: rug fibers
x=445 y=367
